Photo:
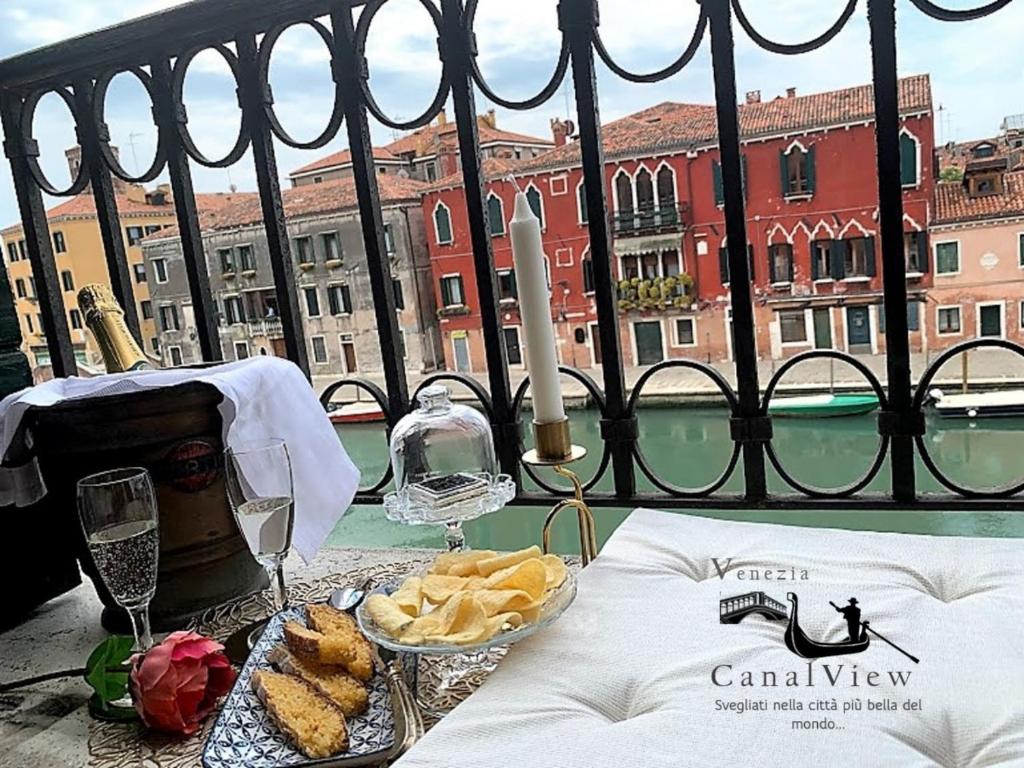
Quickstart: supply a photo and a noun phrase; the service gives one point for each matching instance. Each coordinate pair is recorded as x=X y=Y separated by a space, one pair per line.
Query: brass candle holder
x=555 y=449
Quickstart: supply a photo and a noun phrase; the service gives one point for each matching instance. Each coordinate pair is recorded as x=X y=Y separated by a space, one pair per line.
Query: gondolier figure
x=852 y=615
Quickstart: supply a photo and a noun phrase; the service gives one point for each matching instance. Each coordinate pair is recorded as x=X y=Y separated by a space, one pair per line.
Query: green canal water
x=690 y=447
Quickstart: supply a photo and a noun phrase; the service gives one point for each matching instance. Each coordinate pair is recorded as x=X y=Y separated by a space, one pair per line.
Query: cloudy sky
x=976 y=70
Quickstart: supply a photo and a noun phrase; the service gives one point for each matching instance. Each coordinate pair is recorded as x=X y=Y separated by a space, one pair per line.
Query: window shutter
x=743 y=174
x=814 y=262
x=772 y=276
x=446 y=294
x=462 y=292
x=346 y=298
x=809 y=160
x=869 y=253
x=723 y=264
x=789 y=263
x=784 y=172
x=913 y=321
x=716 y=172
x=837 y=256
x=515 y=285
x=924 y=258
x=908 y=160
x=332 y=300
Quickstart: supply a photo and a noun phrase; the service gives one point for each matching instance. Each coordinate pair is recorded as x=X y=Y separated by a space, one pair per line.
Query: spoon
x=346 y=598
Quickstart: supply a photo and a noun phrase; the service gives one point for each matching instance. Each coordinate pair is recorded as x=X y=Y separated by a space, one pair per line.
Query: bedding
x=675 y=654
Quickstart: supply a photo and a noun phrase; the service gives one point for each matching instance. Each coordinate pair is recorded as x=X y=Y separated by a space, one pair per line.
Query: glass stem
x=277 y=585
x=140 y=628
x=454 y=537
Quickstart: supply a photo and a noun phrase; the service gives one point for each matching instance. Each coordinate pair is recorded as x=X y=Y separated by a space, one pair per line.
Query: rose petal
x=195 y=648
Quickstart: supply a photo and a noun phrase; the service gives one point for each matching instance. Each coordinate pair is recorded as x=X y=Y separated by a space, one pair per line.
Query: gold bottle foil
x=105 y=318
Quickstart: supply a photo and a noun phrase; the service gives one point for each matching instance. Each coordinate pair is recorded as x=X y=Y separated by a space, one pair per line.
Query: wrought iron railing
x=650 y=219
x=158 y=50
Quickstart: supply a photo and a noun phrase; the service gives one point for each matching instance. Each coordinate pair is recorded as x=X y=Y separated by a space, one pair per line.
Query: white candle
x=535 y=310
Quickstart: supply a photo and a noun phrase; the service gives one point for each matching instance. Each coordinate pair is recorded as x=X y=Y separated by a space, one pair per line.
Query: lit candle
x=535 y=310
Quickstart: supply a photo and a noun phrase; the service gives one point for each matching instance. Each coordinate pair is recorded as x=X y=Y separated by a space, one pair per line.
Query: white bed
x=625 y=677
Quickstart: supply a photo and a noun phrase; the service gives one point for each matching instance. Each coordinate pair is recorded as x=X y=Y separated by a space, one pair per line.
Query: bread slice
x=310 y=721
x=340 y=687
x=343 y=650
x=337 y=624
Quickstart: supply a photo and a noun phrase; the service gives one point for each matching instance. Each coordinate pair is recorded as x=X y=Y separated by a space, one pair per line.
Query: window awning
x=628 y=246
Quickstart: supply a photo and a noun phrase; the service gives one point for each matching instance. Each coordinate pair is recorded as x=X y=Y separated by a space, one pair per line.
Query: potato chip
x=409 y=596
x=497 y=601
x=416 y=632
x=529 y=576
x=462 y=620
x=437 y=588
x=556 y=571
x=493 y=564
x=444 y=562
x=387 y=614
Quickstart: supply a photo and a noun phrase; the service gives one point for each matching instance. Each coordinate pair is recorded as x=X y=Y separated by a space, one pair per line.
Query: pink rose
x=176 y=683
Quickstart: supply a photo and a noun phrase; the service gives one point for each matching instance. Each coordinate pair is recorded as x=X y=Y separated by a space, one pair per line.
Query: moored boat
x=976 y=405
x=818 y=406
x=799 y=643
x=356 y=413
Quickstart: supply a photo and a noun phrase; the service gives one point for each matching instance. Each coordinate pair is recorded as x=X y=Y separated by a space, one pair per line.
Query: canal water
x=690 y=447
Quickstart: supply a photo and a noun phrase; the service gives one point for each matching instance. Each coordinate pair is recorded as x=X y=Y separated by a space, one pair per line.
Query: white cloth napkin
x=264 y=397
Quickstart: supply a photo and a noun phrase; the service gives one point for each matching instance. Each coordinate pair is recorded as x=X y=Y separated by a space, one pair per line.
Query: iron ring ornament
x=263 y=67
x=382 y=400
x=790 y=49
x=177 y=92
x=362 y=32
x=468 y=382
x=561 y=67
x=598 y=396
x=952 y=14
x=99 y=105
x=918 y=405
x=641 y=460
x=653 y=77
x=883 y=443
x=28 y=115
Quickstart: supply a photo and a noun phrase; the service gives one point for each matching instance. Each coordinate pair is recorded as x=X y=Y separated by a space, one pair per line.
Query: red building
x=811 y=206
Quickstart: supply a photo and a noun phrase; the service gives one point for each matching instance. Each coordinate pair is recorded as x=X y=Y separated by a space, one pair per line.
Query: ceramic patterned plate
x=245 y=736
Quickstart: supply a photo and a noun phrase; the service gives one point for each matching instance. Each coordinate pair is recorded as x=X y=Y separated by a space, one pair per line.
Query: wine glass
x=258 y=477
x=119 y=519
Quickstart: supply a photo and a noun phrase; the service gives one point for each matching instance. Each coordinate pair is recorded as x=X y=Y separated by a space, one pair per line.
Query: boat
x=978 y=405
x=355 y=413
x=819 y=406
x=800 y=644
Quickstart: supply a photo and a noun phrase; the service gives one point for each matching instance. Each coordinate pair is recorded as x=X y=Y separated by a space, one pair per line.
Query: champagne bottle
x=105 y=318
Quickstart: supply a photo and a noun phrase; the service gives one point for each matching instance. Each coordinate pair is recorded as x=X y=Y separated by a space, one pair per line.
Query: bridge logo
x=732 y=610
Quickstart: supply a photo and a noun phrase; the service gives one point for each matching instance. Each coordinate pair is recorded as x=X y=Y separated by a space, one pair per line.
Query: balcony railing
x=650 y=220
x=270 y=328
x=158 y=51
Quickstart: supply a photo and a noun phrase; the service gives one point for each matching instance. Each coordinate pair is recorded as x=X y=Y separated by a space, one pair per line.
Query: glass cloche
x=445 y=470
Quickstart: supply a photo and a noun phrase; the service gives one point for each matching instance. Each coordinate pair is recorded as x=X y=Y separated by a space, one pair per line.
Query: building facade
x=811 y=205
x=330 y=275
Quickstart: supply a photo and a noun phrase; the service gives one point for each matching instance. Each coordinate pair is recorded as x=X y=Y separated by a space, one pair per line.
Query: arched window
x=581 y=203
x=495 y=215
x=624 y=193
x=645 y=197
x=536 y=204
x=797 y=168
x=908 y=159
x=442 y=224
x=666 y=188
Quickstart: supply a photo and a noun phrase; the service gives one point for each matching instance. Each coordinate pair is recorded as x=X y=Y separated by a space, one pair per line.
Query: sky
x=976 y=68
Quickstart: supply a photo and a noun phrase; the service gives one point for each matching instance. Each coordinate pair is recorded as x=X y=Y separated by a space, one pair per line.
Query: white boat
x=978 y=405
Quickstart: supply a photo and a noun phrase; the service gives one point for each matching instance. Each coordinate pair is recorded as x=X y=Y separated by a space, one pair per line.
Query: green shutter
x=515 y=285
x=924 y=259
x=809 y=168
x=723 y=264
x=913 y=320
x=869 y=256
x=462 y=291
x=814 y=262
x=908 y=160
x=716 y=173
x=837 y=256
x=495 y=217
x=582 y=193
x=446 y=294
x=784 y=172
x=533 y=198
x=789 y=252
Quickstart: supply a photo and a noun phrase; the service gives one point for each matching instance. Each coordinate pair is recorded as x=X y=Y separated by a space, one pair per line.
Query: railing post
x=91 y=135
x=578 y=20
x=253 y=96
x=882 y=23
x=17 y=146
x=348 y=68
x=168 y=116
x=455 y=45
x=751 y=425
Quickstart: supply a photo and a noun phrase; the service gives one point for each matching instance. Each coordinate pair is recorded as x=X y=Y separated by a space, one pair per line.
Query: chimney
x=490 y=119
x=442 y=117
x=753 y=97
x=446 y=159
x=791 y=93
x=559 y=131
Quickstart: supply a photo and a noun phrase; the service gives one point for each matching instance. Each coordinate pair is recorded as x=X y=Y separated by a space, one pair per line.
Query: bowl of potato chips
x=469 y=601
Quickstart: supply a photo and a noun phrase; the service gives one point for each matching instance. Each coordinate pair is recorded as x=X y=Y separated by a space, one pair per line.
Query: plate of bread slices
x=309 y=695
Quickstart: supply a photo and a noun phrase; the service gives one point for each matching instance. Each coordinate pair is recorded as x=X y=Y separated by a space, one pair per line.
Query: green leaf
x=103 y=670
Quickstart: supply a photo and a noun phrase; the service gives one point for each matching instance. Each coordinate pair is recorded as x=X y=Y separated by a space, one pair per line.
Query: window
x=792 y=327
x=623 y=194
x=588 y=275
x=28 y=322
x=169 y=318
x=304 y=250
x=32 y=292
x=21 y=251
x=134 y=234
x=666 y=191
x=644 y=193
x=241 y=350
x=67 y=280
x=12 y=252
x=140 y=272
x=227 y=260
x=536 y=203
x=915 y=248
x=797 y=169
x=985 y=149
x=431 y=172
x=76 y=319
x=59 y=246
x=442 y=224
x=1022 y=315
x=908 y=160
x=396 y=286
x=507 y=290
x=389 y=240
x=821 y=259
x=348 y=352
x=913 y=317
x=947 y=258
x=859 y=259
x=154 y=344
x=495 y=215
x=686 y=335
x=451 y=291
x=19 y=287
x=234 y=312
x=650 y=265
x=339 y=299
x=949 y=320
x=723 y=263
x=559 y=185
x=160 y=269
x=246 y=260
x=153 y=228
x=175 y=353
x=332 y=246
x=319 y=350
x=780 y=263
x=581 y=203
x=146 y=307
x=1020 y=250
x=312 y=301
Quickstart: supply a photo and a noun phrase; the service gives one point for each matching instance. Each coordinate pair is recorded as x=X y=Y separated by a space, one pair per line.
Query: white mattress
x=625 y=677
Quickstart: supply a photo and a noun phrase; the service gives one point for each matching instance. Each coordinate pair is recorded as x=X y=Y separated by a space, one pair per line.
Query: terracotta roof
x=953 y=204
x=85 y=205
x=682 y=126
x=344 y=157
x=959 y=154
x=492 y=168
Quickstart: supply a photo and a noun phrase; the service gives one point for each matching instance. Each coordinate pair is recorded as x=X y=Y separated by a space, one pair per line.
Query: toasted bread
x=343 y=650
x=313 y=723
x=340 y=687
x=338 y=624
